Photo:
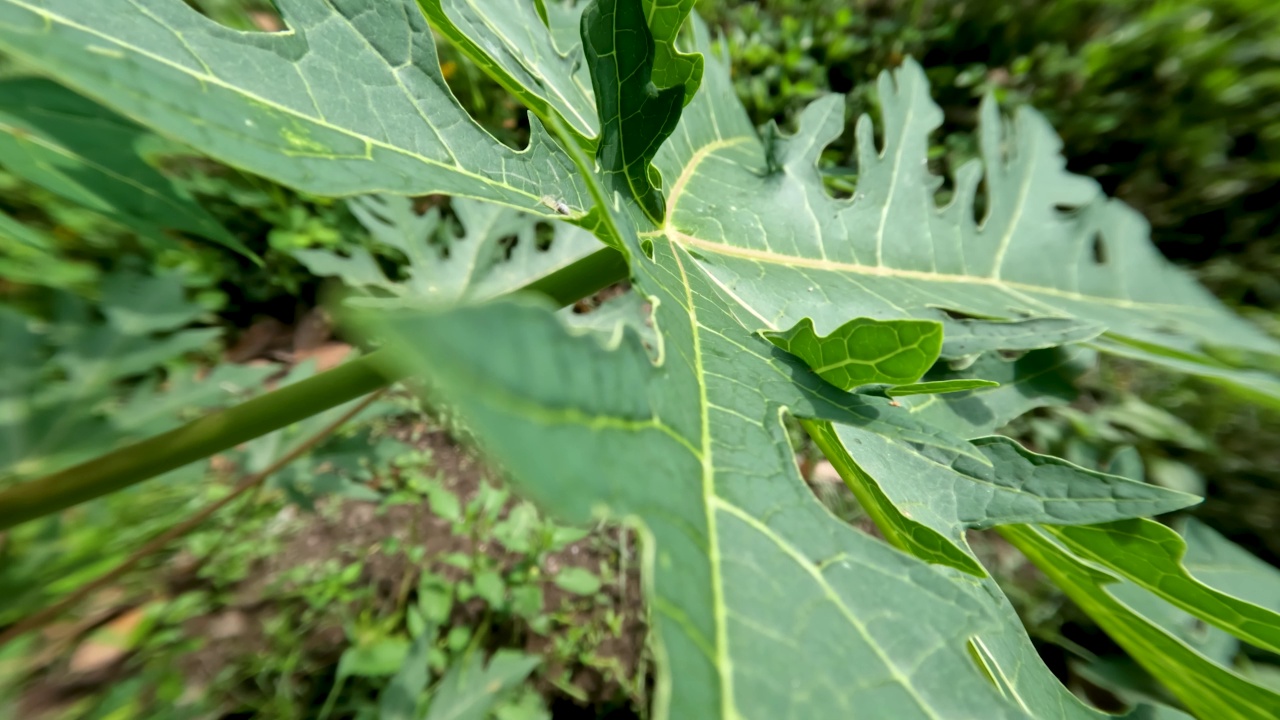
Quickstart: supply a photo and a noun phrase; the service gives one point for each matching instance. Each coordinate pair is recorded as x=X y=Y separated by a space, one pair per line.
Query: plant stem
x=197 y=439
x=267 y=413
x=32 y=622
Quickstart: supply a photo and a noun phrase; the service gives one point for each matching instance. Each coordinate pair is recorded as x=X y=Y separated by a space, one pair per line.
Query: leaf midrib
x=687 y=241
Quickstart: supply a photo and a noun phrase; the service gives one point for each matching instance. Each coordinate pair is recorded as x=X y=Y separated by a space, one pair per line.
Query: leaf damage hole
x=1099 y=249
x=981 y=202
x=508 y=243
x=544 y=233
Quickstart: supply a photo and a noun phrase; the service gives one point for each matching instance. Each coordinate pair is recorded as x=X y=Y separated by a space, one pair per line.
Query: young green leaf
x=672 y=68
x=865 y=351
x=635 y=115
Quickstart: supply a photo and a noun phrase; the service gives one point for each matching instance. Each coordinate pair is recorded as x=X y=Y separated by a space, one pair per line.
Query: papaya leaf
x=1150 y=555
x=756 y=214
x=75 y=148
x=973 y=337
x=764 y=605
x=695 y=451
x=864 y=351
x=348 y=100
x=497 y=252
x=1207 y=689
x=510 y=40
x=1216 y=561
x=635 y=115
x=672 y=68
x=1037 y=379
x=931 y=497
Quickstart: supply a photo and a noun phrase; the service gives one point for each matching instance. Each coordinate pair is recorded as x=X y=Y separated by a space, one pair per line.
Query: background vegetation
x=291 y=602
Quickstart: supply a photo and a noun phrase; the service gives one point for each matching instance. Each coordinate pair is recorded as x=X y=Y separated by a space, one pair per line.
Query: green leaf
x=930 y=496
x=935 y=387
x=1150 y=555
x=348 y=100
x=865 y=351
x=59 y=380
x=85 y=153
x=442 y=267
x=399 y=700
x=1206 y=688
x=31 y=257
x=1014 y=666
x=672 y=68
x=509 y=39
x=740 y=546
x=635 y=115
x=757 y=216
x=1220 y=563
x=1037 y=379
x=379 y=658
x=750 y=578
x=471 y=688
x=973 y=337
x=578 y=581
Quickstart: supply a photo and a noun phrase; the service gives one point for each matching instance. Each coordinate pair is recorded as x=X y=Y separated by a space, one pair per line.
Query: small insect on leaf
x=558 y=205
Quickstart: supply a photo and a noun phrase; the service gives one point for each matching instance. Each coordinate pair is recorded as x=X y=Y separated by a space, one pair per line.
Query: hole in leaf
x=544 y=234
x=839 y=182
x=252 y=16
x=980 y=203
x=508 y=245
x=1099 y=249
x=491 y=106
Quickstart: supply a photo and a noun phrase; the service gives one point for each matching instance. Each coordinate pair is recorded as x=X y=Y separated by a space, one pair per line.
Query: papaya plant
x=901 y=331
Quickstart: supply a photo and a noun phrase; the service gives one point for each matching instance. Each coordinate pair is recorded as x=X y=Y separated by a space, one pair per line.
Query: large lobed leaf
x=761 y=599
x=497 y=252
x=1050 y=245
x=764 y=604
x=348 y=100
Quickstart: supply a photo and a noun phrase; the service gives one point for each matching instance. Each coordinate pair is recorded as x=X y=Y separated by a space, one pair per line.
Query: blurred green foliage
x=1173 y=105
